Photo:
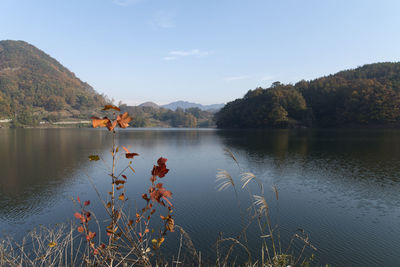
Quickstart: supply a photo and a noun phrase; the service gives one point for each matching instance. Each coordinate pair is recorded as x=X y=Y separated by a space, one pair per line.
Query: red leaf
x=161 y=161
x=145 y=197
x=79 y=200
x=91 y=235
x=160 y=170
x=81 y=229
x=131 y=155
x=124 y=176
x=126 y=150
x=160 y=192
x=87 y=203
x=78 y=215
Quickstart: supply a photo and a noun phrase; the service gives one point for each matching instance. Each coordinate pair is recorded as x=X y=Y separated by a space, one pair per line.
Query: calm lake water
x=341 y=186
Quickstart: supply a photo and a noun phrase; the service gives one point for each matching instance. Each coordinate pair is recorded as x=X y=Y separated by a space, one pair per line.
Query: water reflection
x=356 y=152
x=340 y=185
x=35 y=163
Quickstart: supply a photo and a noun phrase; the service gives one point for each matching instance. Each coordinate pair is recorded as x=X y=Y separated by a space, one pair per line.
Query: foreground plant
x=272 y=253
x=130 y=240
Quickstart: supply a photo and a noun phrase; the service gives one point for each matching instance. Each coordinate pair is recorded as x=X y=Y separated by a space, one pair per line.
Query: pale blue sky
x=204 y=51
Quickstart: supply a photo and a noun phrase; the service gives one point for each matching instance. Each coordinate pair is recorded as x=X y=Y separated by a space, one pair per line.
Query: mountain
x=365 y=96
x=149 y=104
x=185 y=105
x=32 y=80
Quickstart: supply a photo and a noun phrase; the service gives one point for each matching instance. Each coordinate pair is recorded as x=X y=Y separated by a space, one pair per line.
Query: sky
x=203 y=51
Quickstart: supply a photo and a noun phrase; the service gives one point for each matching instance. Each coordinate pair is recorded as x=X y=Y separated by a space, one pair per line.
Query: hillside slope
x=365 y=96
x=31 y=79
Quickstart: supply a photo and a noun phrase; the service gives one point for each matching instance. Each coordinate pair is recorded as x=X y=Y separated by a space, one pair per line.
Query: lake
x=341 y=186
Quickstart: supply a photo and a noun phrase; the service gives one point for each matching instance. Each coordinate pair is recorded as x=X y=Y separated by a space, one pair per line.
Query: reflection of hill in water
x=356 y=164
x=35 y=162
x=368 y=148
x=150 y=138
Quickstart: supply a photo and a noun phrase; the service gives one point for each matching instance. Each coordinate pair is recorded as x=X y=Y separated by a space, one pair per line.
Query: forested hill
x=32 y=81
x=368 y=95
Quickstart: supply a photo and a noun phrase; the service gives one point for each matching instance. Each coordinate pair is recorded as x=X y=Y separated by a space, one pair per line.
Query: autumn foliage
x=125 y=233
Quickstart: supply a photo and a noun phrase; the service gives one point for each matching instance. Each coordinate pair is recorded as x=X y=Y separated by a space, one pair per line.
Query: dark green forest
x=365 y=96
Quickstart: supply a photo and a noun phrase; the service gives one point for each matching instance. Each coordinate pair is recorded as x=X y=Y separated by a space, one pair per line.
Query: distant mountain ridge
x=186 y=104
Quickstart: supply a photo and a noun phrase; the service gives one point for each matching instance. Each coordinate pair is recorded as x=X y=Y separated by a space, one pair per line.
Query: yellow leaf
x=52 y=244
x=94 y=157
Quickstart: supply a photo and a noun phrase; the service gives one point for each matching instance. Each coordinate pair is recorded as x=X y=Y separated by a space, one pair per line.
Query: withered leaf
x=107 y=107
x=170 y=224
x=123 y=120
x=111 y=125
x=98 y=122
x=121 y=197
